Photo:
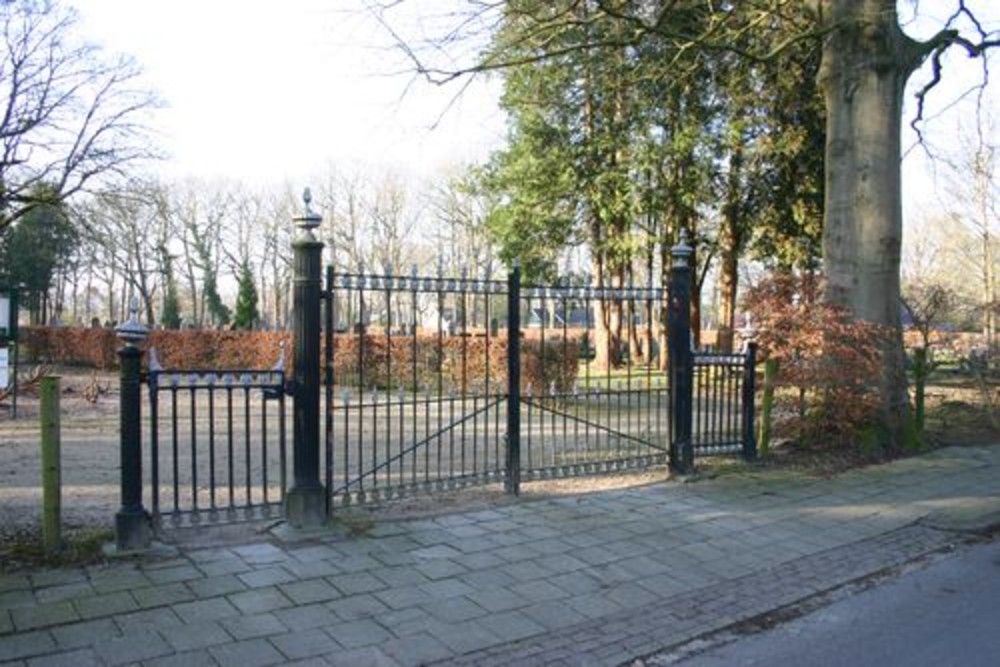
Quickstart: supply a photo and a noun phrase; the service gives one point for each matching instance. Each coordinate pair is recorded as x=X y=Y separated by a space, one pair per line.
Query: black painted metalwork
x=201 y=478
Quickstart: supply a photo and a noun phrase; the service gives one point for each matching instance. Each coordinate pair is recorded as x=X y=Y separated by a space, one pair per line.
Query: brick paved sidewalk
x=593 y=579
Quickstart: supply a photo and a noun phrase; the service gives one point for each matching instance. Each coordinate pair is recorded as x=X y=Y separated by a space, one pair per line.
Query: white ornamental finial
x=309 y=219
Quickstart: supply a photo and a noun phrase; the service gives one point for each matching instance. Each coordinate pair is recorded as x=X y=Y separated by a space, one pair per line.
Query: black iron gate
x=217 y=444
x=427 y=389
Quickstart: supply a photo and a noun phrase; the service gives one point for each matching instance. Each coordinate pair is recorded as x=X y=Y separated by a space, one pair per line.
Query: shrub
x=388 y=362
x=828 y=363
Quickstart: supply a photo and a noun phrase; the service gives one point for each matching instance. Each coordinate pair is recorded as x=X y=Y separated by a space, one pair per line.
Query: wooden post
x=920 y=373
x=51 y=465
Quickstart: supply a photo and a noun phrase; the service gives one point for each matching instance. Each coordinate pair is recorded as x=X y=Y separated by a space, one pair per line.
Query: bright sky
x=269 y=92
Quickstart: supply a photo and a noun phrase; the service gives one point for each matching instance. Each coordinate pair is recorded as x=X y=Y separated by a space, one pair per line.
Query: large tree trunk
x=866 y=62
x=730 y=242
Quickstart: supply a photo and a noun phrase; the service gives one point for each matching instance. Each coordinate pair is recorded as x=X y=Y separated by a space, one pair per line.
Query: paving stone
x=465 y=637
x=198 y=658
x=14 y=582
x=538 y=591
x=307 y=617
x=485 y=579
x=76 y=589
x=136 y=646
x=305 y=644
x=231 y=565
x=222 y=584
x=478 y=561
x=6 y=624
x=404 y=575
x=201 y=611
x=105 y=605
x=259 y=600
x=194 y=635
x=119 y=579
x=416 y=650
x=160 y=617
x=363 y=632
x=313 y=553
x=409 y=621
x=358 y=563
x=43 y=615
x=397 y=598
x=553 y=615
x=309 y=591
x=358 y=582
x=446 y=588
x=497 y=599
x=513 y=625
x=56 y=577
x=260 y=553
x=357 y=606
x=163 y=595
x=248 y=653
x=312 y=569
x=268 y=576
x=257 y=625
x=368 y=656
x=78 y=635
x=26 y=644
x=440 y=568
x=454 y=610
x=172 y=575
x=17 y=598
x=593 y=605
x=436 y=551
x=83 y=657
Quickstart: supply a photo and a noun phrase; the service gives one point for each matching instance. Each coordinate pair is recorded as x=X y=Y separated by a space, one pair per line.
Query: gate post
x=749 y=409
x=131 y=521
x=512 y=482
x=305 y=502
x=681 y=358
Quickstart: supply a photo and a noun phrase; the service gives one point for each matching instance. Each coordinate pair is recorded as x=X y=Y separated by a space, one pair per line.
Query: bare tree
x=71 y=115
x=973 y=182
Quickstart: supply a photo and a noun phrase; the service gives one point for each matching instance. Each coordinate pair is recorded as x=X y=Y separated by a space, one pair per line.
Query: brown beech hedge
x=456 y=362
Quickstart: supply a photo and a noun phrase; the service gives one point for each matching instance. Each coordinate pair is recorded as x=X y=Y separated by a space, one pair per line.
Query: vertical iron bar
x=173 y=445
x=328 y=352
x=211 y=443
x=229 y=442
x=194 y=445
x=263 y=444
x=463 y=310
x=513 y=454
x=388 y=379
x=282 y=439
x=154 y=444
x=248 y=479
x=413 y=364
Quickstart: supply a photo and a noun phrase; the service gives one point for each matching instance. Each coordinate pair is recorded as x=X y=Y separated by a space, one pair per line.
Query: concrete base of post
x=132 y=532
x=306 y=507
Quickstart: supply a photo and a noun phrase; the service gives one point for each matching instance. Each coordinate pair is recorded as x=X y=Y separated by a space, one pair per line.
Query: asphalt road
x=947 y=613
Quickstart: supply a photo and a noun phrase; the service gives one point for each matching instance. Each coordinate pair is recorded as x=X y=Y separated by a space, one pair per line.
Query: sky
x=268 y=92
